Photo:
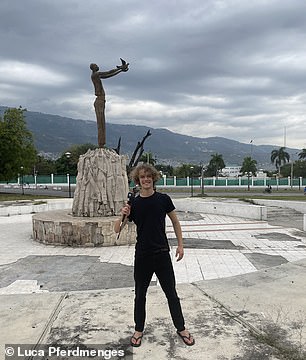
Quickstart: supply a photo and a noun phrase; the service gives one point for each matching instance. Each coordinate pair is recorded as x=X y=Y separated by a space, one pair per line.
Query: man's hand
x=179 y=253
x=126 y=210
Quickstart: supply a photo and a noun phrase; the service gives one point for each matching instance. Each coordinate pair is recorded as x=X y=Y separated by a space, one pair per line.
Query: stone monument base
x=59 y=227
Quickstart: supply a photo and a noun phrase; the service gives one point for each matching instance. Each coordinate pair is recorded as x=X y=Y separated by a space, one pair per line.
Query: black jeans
x=144 y=268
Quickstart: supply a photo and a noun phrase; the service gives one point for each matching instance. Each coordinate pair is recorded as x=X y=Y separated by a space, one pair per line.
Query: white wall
x=250 y=211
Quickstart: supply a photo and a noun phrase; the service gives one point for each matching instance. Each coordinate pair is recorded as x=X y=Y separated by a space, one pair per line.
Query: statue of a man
x=99 y=103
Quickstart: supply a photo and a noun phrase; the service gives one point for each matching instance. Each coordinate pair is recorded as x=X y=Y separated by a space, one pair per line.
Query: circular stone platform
x=59 y=227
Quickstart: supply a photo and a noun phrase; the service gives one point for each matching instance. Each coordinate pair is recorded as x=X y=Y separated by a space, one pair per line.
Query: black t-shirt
x=149 y=214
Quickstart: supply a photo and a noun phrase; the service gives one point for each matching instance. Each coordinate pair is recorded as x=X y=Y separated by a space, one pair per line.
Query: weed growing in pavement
x=250 y=201
x=284 y=334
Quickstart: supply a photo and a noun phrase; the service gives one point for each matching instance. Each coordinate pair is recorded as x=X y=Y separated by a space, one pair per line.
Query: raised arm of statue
x=106 y=74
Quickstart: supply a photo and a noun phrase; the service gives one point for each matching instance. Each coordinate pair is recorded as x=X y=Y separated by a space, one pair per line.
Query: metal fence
x=172 y=181
x=231 y=182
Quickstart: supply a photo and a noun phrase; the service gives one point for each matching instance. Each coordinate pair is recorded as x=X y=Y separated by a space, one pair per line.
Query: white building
x=261 y=174
x=231 y=171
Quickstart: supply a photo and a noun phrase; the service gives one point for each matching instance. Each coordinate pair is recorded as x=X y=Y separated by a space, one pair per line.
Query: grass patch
x=39 y=202
x=250 y=201
x=20 y=197
x=281 y=345
x=268 y=197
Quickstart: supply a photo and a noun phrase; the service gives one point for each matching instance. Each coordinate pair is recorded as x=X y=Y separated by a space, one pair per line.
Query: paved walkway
x=215 y=247
x=84 y=295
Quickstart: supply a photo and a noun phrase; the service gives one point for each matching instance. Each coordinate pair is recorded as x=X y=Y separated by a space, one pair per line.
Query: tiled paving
x=200 y=264
x=244 y=246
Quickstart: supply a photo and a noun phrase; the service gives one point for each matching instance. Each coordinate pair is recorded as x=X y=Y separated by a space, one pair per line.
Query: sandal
x=185 y=338
x=136 y=339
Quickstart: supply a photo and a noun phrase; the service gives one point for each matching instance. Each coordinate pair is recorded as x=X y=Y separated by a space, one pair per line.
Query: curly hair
x=147 y=168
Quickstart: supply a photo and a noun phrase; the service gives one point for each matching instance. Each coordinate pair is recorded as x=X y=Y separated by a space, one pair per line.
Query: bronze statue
x=99 y=103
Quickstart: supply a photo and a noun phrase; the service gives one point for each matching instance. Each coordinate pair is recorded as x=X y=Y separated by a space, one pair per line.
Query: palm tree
x=216 y=164
x=249 y=167
x=148 y=158
x=279 y=157
x=302 y=154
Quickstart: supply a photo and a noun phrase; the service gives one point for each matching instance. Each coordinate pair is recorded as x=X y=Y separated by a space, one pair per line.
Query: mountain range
x=53 y=134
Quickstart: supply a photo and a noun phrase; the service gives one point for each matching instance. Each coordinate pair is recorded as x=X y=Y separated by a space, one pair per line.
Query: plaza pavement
x=241 y=283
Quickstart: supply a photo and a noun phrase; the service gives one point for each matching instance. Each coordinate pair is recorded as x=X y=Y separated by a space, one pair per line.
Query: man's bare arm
x=178 y=233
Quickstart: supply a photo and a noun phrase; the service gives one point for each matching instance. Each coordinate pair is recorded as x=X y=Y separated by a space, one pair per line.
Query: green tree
x=78 y=150
x=187 y=170
x=302 y=154
x=148 y=157
x=165 y=169
x=69 y=164
x=44 y=166
x=279 y=157
x=299 y=169
x=249 y=167
x=16 y=145
x=65 y=164
x=215 y=165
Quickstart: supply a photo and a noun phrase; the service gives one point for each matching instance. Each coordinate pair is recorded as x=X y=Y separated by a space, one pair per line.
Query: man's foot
x=186 y=337
x=135 y=340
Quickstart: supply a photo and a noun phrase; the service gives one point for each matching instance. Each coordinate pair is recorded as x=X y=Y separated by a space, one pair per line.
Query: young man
x=148 y=211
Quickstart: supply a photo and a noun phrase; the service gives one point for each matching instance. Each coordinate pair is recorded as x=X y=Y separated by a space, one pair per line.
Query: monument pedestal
x=102 y=184
x=101 y=192
x=59 y=227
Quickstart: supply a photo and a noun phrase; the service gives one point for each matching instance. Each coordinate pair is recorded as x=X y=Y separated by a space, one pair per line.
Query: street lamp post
x=22 y=187
x=35 y=178
x=251 y=142
x=68 y=154
x=202 y=179
x=291 y=175
x=35 y=172
x=191 y=178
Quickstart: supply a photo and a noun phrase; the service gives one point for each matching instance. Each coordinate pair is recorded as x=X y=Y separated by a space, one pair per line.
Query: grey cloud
x=183 y=55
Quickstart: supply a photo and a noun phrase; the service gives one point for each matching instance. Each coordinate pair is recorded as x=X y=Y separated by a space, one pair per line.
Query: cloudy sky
x=231 y=68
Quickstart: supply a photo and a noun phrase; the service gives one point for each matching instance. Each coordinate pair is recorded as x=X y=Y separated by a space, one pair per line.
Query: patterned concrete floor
x=215 y=247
